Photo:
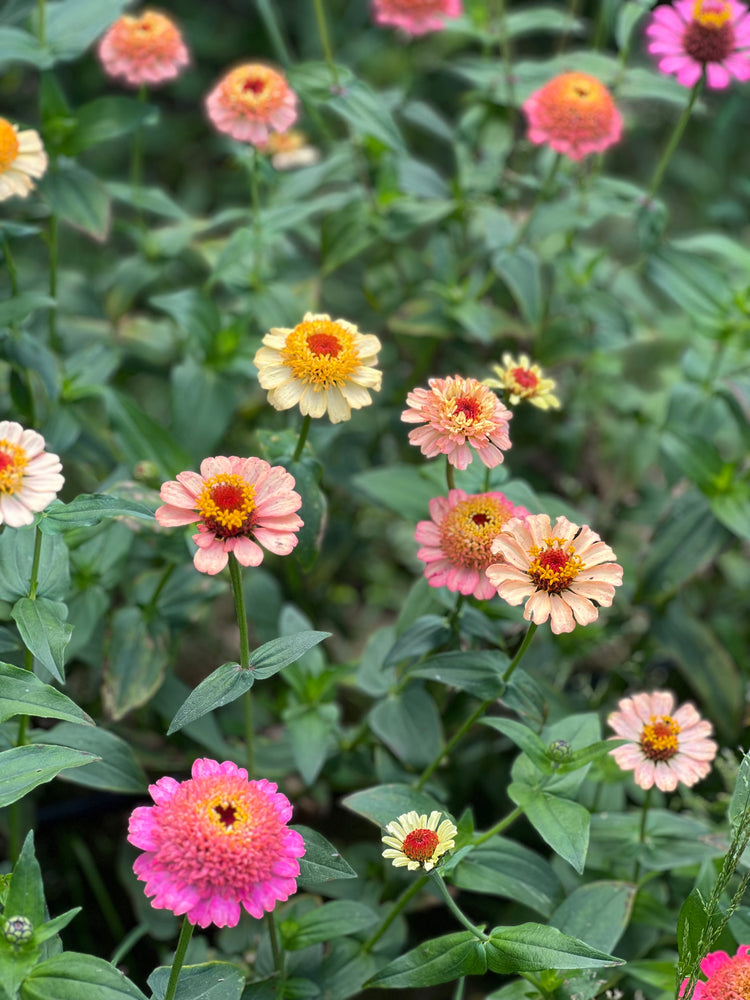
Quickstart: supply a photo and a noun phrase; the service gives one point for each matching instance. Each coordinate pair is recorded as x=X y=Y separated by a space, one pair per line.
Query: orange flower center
x=710 y=36
x=554 y=568
x=659 y=738
x=712 y=13
x=524 y=378
x=468 y=530
x=321 y=353
x=576 y=106
x=226 y=504
x=151 y=33
x=8 y=145
x=13 y=462
x=419 y=845
x=255 y=88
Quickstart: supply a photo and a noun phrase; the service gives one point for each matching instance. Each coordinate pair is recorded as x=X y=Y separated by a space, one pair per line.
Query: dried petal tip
x=415 y=841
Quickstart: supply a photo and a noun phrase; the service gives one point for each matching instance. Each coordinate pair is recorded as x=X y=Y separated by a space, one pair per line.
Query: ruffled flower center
x=710 y=36
x=227 y=505
x=8 y=145
x=419 y=845
x=468 y=530
x=321 y=353
x=659 y=738
x=555 y=566
x=255 y=88
x=524 y=378
x=13 y=463
x=151 y=33
x=467 y=411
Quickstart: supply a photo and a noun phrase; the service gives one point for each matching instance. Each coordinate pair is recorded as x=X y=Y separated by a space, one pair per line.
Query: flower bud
x=18 y=930
x=560 y=751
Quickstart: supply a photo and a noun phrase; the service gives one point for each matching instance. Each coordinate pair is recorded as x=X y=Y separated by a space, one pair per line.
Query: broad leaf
x=534 y=948
x=321 y=861
x=73 y=976
x=44 y=631
x=23 y=768
x=440 y=960
x=22 y=693
x=324 y=923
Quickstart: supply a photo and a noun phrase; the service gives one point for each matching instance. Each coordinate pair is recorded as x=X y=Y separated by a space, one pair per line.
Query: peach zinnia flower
x=458 y=412
x=22 y=158
x=215 y=843
x=416 y=17
x=574 y=114
x=29 y=476
x=320 y=365
x=561 y=569
x=522 y=380
x=251 y=102
x=457 y=542
x=143 y=50
x=238 y=503
x=709 y=35
x=415 y=841
x=728 y=977
x=667 y=746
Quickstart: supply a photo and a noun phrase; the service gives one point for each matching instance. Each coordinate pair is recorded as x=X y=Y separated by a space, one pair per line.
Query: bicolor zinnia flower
x=666 y=746
x=691 y=37
x=728 y=977
x=143 y=50
x=322 y=365
x=215 y=843
x=289 y=150
x=29 y=476
x=457 y=542
x=415 y=841
x=561 y=569
x=22 y=158
x=458 y=414
x=416 y=17
x=574 y=114
x=251 y=102
x=239 y=504
x=522 y=380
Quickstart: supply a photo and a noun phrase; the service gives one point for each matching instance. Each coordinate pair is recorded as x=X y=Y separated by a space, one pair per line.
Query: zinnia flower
x=418 y=842
x=252 y=101
x=321 y=365
x=457 y=542
x=238 y=502
x=574 y=114
x=214 y=843
x=712 y=35
x=458 y=412
x=667 y=746
x=29 y=476
x=728 y=978
x=22 y=157
x=560 y=569
x=291 y=149
x=143 y=50
x=522 y=380
x=416 y=17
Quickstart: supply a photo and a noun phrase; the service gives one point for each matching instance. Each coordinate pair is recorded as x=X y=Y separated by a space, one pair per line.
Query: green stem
x=257 y=229
x=235 y=574
x=398 y=906
x=278 y=953
x=673 y=141
x=11 y=265
x=52 y=314
x=325 y=41
x=131 y=938
x=273 y=30
x=303 y=432
x=136 y=161
x=34 y=581
x=498 y=827
x=437 y=881
x=160 y=586
x=41 y=21
x=507 y=52
x=449 y=476
x=520 y=652
x=642 y=829
x=179 y=957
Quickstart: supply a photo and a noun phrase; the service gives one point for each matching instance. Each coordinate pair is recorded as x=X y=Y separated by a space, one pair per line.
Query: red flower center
x=5 y=461
x=480 y=519
x=659 y=738
x=227 y=505
x=555 y=567
x=324 y=343
x=419 y=845
x=525 y=378
x=469 y=407
x=227 y=814
x=253 y=84
x=708 y=40
x=470 y=527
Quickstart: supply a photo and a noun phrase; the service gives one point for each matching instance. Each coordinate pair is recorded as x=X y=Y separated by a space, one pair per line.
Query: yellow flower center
x=712 y=13
x=226 y=504
x=554 y=567
x=468 y=530
x=321 y=353
x=13 y=462
x=8 y=145
x=659 y=738
x=226 y=814
x=419 y=845
x=255 y=88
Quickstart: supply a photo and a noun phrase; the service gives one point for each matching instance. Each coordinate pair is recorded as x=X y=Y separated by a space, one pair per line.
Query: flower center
x=226 y=504
x=8 y=145
x=254 y=84
x=255 y=88
x=659 y=738
x=524 y=378
x=468 y=530
x=467 y=407
x=554 y=567
x=321 y=353
x=419 y=845
x=710 y=36
x=12 y=465
x=227 y=813
x=712 y=13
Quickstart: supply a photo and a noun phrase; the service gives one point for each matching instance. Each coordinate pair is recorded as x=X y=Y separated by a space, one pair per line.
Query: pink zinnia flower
x=416 y=17
x=251 y=102
x=574 y=114
x=561 y=569
x=712 y=35
x=666 y=746
x=29 y=476
x=237 y=502
x=728 y=978
x=214 y=843
x=457 y=542
x=458 y=412
x=144 y=49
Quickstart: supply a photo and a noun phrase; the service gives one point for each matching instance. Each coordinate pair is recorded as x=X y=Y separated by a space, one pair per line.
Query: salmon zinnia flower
x=457 y=542
x=708 y=35
x=522 y=380
x=561 y=569
x=238 y=503
x=416 y=17
x=574 y=114
x=29 y=476
x=728 y=977
x=215 y=843
x=415 y=841
x=458 y=412
x=22 y=158
x=143 y=50
x=321 y=365
x=251 y=102
x=666 y=746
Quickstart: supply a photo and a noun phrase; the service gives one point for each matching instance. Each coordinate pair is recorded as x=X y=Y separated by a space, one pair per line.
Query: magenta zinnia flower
x=143 y=50
x=728 y=978
x=214 y=843
x=416 y=17
x=238 y=502
x=457 y=542
x=458 y=412
x=573 y=114
x=712 y=35
x=29 y=476
x=667 y=746
x=252 y=101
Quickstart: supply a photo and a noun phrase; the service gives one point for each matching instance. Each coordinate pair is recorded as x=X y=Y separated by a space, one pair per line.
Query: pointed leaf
x=440 y=960
x=272 y=656
x=321 y=861
x=23 y=768
x=227 y=683
x=324 y=923
x=72 y=976
x=44 y=631
x=22 y=693
x=534 y=948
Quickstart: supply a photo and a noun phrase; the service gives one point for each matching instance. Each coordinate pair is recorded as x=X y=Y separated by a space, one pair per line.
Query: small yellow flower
x=418 y=842
x=22 y=158
x=522 y=380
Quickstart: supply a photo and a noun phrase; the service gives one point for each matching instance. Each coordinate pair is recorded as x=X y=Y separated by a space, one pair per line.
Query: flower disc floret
x=147 y=49
x=22 y=160
x=416 y=17
x=574 y=114
x=416 y=841
x=29 y=476
x=252 y=101
x=523 y=380
x=728 y=976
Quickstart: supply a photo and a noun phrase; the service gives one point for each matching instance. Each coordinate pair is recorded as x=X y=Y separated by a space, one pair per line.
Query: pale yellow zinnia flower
x=415 y=841
x=523 y=380
x=22 y=158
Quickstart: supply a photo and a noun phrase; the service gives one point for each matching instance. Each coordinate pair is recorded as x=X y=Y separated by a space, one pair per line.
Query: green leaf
x=148 y=199
x=26 y=894
x=691 y=922
x=72 y=25
x=524 y=738
x=224 y=685
x=597 y=913
x=44 y=631
x=502 y=867
x=273 y=656
x=384 y=803
x=310 y=729
x=519 y=269
x=534 y=948
x=209 y=981
x=321 y=861
x=16 y=559
x=18 y=307
x=194 y=312
x=366 y=112
x=50 y=928
x=409 y=724
x=479 y=672
x=73 y=976
x=400 y=488
x=136 y=661
x=440 y=960
x=314 y=511
x=23 y=768
x=428 y=632
x=78 y=198
x=739 y=805
x=117 y=771
x=17 y=45
x=731 y=507
x=142 y=438
x=561 y=823
x=104 y=119
x=345 y=234
x=22 y=693
x=324 y=923
x=87 y=509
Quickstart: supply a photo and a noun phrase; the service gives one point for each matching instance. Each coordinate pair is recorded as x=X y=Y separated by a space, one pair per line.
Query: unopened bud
x=560 y=751
x=18 y=930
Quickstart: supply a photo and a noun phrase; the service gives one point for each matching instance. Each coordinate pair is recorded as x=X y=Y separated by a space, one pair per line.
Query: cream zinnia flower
x=415 y=841
x=522 y=380
x=29 y=476
x=22 y=158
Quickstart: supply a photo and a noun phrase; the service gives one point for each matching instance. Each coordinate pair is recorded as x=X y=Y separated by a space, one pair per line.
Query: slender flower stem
x=235 y=574
x=521 y=650
x=507 y=52
x=136 y=160
x=498 y=827
x=437 y=881
x=303 y=432
x=268 y=17
x=40 y=21
x=325 y=41
x=398 y=906
x=278 y=953
x=11 y=266
x=674 y=141
x=182 y=945
x=449 y=477
x=456 y=738
x=34 y=580
x=257 y=228
x=52 y=314
x=642 y=829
